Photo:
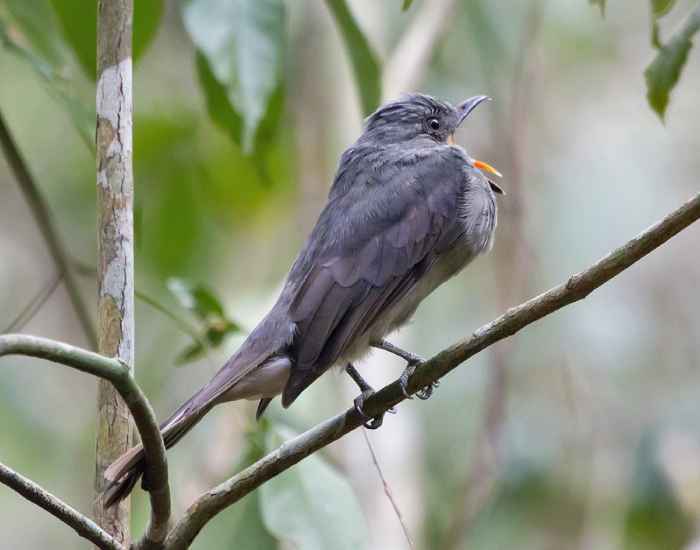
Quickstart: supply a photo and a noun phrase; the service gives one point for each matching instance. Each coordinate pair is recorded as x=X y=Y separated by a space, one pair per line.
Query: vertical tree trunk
x=115 y=240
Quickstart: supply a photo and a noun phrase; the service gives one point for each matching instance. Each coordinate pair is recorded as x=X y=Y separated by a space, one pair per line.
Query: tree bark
x=115 y=242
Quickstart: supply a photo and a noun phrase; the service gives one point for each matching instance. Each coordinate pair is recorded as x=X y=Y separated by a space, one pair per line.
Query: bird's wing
x=389 y=237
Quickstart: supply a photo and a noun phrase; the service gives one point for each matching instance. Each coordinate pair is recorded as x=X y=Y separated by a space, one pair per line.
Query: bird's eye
x=434 y=124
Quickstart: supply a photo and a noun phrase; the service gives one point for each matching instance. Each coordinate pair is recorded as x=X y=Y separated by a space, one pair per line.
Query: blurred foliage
x=311 y=506
x=246 y=528
x=209 y=312
x=600 y=4
x=240 y=47
x=364 y=61
x=46 y=57
x=664 y=71
x=654 y=518
x=78 y=22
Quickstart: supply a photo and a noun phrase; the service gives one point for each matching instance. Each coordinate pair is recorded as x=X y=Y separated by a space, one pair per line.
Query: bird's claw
x=423 y=393
x=369 y=422
x=427 y=391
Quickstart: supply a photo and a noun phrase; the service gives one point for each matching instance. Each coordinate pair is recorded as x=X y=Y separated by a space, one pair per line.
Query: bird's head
x=419 y=117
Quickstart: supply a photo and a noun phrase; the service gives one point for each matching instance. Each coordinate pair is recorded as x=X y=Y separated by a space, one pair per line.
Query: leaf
x=406 y=4
x=654 y=517
x=82 y=117
x=242 y=44
x=363 y=60
x=36 y=20
x=665 y=70
x=311 y=506
x=207 y=307
x=196 y=298
x=79 y=23
x=601 y=4
x=659 y=8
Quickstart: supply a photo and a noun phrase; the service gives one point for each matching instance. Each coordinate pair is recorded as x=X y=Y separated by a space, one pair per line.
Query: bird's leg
x=413 y=361
x=367 y=391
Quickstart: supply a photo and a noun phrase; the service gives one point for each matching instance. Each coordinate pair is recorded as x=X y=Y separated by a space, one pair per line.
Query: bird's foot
x=423 y=393
x=367 y=391
x=369 y=422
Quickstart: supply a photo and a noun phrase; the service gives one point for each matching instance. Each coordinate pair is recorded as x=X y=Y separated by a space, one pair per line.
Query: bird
x=407 y=210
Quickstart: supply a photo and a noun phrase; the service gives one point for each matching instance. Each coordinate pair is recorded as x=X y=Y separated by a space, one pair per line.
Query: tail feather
x=263 y=343
x=124 y=472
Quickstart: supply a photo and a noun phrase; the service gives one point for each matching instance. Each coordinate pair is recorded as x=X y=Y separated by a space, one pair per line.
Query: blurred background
x=581 y=432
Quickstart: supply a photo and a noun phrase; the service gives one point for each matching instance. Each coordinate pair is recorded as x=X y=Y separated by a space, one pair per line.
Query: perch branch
x=81 y=524
x=120 y=376
x=576 y=288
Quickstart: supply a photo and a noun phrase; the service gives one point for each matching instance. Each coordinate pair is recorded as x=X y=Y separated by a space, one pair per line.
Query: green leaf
x=216 y=326
x=363 y=60
x=82 y=117
x=406 y=4
x=242 y=44
x=665 y=70
x=36 y=21
x=659 y=8
x=196 y=298
x=654 y=518
x=79 y=22
x=601 y=4
x=225 y=117
x=311 y=506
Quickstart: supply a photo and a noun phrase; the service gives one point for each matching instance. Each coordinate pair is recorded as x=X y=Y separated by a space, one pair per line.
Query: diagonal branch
x=48 y=229
x=120 y=376
x=576 y=288
x=81 y=524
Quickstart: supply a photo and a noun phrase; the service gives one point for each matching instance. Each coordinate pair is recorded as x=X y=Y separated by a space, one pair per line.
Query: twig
x=408 y=62
x=180 y=323
x=31 y=309
x=576 y=288
x=81 y=524
x=48 y=229
x=118 y=374
x=387 y=490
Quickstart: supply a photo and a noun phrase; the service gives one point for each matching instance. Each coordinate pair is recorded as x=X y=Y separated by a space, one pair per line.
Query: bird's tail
x=124 y=472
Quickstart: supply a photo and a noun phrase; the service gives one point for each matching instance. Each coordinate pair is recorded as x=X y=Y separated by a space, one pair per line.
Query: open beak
x=464 y=109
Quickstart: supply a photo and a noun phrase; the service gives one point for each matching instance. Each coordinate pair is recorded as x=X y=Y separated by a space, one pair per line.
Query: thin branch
x=407 y=64
x=64 y=354
x=81 y=524
x=387 y=490
x=32 y=308
x=120 y=376
x=576 y=288
x=48 y=229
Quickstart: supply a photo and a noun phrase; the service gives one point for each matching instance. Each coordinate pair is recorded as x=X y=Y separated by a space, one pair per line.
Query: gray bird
x=408 y=209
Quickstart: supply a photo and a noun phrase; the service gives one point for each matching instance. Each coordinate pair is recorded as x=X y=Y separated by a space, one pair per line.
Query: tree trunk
x=115 y=241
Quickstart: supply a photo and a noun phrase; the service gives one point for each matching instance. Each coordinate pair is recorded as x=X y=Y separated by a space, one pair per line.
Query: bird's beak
x=464 y=109
x=469 y=105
